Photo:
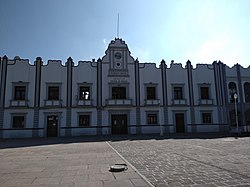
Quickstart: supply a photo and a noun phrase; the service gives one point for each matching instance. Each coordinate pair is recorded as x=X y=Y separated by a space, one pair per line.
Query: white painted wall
x=84 y=72
x=176 y=74
x=53 y=72
x=20 y=71
x=8 y=123
x=203 y=74
x=149 y=73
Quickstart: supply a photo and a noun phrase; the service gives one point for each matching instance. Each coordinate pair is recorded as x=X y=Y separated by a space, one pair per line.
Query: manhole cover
x=118 y=168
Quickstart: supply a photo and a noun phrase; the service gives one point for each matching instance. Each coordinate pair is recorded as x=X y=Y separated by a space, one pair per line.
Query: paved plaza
x=190 y=162
x=156 y=161
x=63 y=162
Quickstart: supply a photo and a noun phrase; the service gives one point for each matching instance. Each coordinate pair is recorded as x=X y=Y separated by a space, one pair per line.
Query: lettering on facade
x=118 y=72
x=118 y=80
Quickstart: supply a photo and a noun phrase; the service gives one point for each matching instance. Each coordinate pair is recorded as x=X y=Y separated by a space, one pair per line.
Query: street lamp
x=236 y=113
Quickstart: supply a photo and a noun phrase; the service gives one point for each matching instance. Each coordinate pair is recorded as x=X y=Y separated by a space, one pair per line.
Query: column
x=99 y=96
x=165 y=96
x=4 y=64
x=224 y=96
x=69 y=96
x=240 y=97
x=191 y=95
x=38 y=64
x=137 y=97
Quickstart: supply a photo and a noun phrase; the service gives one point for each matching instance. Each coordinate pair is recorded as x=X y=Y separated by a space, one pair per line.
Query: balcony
x=205 y=102
x=84 y=102
x=179 y=102
x=19 y=103
x=116 y=102
x=152 y=101
x=53 y=103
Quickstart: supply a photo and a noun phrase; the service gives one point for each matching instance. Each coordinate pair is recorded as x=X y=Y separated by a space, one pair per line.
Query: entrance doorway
x=52 y=126
x=119 y=124
x=179 y=122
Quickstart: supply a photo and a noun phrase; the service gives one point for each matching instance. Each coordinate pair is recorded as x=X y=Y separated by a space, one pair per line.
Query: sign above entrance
x=118 y=72
x=118 y=80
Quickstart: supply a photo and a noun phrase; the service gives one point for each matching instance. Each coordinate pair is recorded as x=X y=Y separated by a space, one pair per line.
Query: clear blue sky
x=199 y=30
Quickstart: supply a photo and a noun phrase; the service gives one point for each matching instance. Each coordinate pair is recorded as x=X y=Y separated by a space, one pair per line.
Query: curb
x=142 y=176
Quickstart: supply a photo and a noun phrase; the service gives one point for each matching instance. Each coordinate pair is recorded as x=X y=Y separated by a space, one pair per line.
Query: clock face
x=118 y=64
x=118 y=55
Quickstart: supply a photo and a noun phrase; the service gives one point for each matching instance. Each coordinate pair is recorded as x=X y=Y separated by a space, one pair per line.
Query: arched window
x=232 y=90
x=233 y=118
x=247 y=92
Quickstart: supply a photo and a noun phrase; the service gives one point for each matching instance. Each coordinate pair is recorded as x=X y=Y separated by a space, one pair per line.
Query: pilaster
x=240 y=97
x=69 y=95
x=4 y=64
x=38 y=64
x=164 y=96
x=224 y=96
x=220 y=97
x=99 y=96
x=191 y=95
x=137 y=97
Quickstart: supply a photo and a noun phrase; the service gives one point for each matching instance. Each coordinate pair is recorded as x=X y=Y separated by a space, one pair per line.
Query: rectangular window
x=178 y=93
x=18 y=122
x=151 y=93
x=118 y=92
x=84 y=120
x=20 y=92
x=206 y=118
x=204 y=92
x=53 y=93
x=247 y=92
x=84 y=93
x=152 y=118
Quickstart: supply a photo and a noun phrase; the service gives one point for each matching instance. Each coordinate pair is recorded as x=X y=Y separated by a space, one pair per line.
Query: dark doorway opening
x=180 y=124
x=52 y=126
x=119 y=124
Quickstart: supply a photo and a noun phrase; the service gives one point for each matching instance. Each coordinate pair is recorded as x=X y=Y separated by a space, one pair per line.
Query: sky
x=201 y=31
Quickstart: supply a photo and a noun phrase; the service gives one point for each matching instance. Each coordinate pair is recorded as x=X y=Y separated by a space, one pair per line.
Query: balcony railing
x=119 y=101
x=152 y=101
x=84 y=102
x=53 y=103
x=205 y=101
x=19 y=103
x=179 y=101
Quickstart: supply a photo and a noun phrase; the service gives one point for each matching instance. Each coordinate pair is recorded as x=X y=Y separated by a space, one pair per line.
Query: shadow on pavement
x=30 y=142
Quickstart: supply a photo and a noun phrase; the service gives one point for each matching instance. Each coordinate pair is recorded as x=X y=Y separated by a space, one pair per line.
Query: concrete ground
x=63 y=162
x=162 y=161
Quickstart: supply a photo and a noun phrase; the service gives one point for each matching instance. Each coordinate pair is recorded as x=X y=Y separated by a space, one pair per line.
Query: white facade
x=119 y=95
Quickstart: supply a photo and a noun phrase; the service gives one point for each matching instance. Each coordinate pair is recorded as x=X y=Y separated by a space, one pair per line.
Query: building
x=119 y=95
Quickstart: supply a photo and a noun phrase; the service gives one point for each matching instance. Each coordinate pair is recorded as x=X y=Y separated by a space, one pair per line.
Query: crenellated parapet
x=100 y=96
x=176 y=66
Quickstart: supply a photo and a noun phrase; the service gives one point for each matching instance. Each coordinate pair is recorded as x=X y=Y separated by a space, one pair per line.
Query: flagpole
x=118 y=26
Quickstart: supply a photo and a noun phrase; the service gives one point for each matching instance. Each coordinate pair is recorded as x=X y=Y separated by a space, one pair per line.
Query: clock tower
x=118 y=60
x=118 y=56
